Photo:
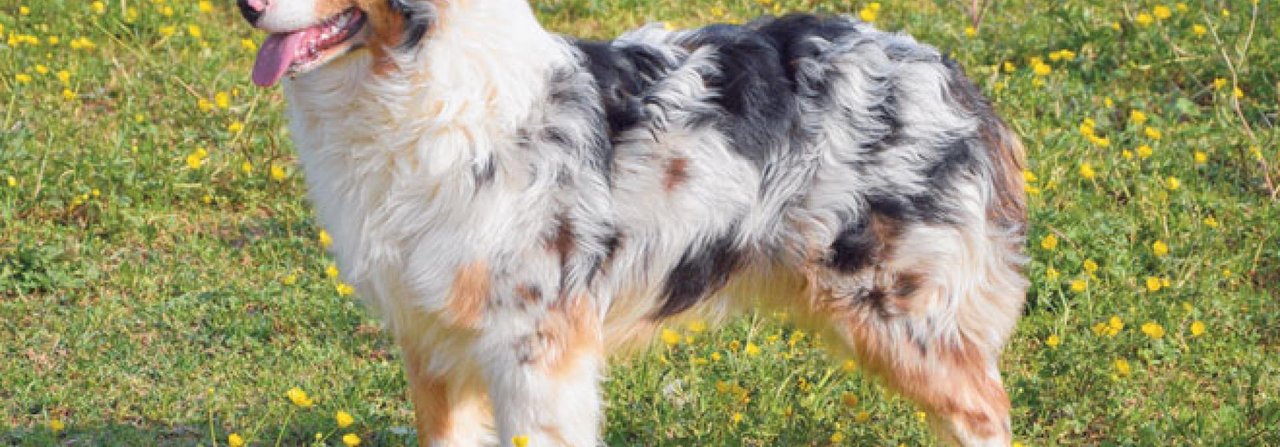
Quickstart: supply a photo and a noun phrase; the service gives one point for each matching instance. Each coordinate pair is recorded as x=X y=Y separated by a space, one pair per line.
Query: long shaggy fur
x=515 y=204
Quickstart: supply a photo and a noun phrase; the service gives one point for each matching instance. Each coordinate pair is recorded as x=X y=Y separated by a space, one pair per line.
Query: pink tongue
x=275 y=56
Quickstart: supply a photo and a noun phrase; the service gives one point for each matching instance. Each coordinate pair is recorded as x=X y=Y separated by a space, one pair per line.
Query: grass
x=162 y=282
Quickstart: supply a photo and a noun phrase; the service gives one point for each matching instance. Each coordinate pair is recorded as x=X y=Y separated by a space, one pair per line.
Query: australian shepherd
x=517 y=205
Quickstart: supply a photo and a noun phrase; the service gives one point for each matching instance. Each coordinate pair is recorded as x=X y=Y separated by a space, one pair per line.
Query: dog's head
x=307 y=34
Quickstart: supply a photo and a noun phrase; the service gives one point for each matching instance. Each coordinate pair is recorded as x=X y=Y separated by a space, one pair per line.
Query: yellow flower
x=1237 y=92
x=234 y=440
x=1152 y=133
x=670 y=337
x=325 y=239
x=1086 y=171
x=222 y=100
x=278 y=173
x=23 y=10
x=1137 y=117
x=1153 y=329
x=922 y=416
x=736 y=418
x=204 y=6
x=1211 y=222
x=246 y=168
x=11 y=181
x=1159 y=248
x=1219 y=83
x=520 y=441
x=1144 y=152
x=82 y=43
x=1122 y=367
x=1009 y=67
x=1172 y=183
x=1153 y=284
x=53 y=40
x=299 y=397
x=849 y=366
x=64 y=76
x=69 y=94
x=289 y=280
x=970 y=31
x=166 y=11
x=1200 y=157
x=1161 y=12
x=1050 y=242
x=1079 y=286
x=1127 y=154
x=248 y=45
x=862 y=417
x=331 y=271
x=1143 y=19
x=41 y=69
x=1199 y=29
x=1114 y=325
x=344 y=419
x=235 y=127
x=1041 y=68
x=22 y=78
x=751 y=349
x=194 y=31
x=1181 y=7
x=350 y=440
x=196 y=158
x=56 y=425
x=837 y=438
x=1090 y=266
x=204 y=105
x=1053 y=341
x=867 y=15
x=1051 y=274
x=1197 y=328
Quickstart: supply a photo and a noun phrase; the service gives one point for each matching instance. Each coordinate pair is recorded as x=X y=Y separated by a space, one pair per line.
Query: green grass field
x=162 y=280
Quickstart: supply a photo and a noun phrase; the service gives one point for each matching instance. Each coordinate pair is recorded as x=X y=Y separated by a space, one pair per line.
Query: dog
x=518 y=205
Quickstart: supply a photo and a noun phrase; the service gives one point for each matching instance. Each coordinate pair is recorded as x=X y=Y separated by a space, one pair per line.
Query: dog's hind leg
x=544 y=373
x=448 y=411
x=931 y=318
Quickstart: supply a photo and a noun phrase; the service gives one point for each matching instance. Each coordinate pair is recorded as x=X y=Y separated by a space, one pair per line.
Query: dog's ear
x=418 y=18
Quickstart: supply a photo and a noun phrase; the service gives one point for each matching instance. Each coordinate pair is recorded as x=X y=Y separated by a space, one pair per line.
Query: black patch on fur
x=864 y=242
x=621 y=76
x=568 y=100
x=417 y=21
x=699 y=273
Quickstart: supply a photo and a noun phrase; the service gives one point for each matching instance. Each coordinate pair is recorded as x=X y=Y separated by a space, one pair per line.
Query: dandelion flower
x=1041 y=68
x=22 y=78
x=331 y=271
x=1114 y=325
x=1144 y=152
x=1079 y=285
x=222 y=100
x=1152 y=133
x=1197 y=328
x=235 y=127
x=1009 y=67
x=1122 y=367
x=1090 y=266
x=1219 y=83
x=697 y=326
x=343 y=419
x=1172 y=183
x=1161 y=12
x=1138 y=117
x=56 y=425
x=278 y=173
x=670 y=337
x=736 y=418
x=1153 y=284
x=234 y=440
x=23 y=11
x=1086 y=171
x=1237 y=93
x=344 y=290
x=1200 y=157
x=248 y=45
x=289 y=279
x=1050 y=242
x=970 y=31
x=299 y=397
x=751 y=349
x=11 y=181
x=1211 y=222
x=204 y=6
x=849 y=366
x=1143 y=19
x=1053 y=341
x=194 y=31
x=862 y=417
x=64 y=77
x=1153 y=330
x=204 y=105
x=837 y=438
x=1051 y=274
x=1159 y=248
x=325 y=239
x=350 y=440
x=1199 y=30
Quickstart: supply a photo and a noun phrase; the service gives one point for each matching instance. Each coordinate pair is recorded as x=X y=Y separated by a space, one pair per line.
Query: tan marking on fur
x=430 y=395
x=677 y=173
x=562 y=243
x=469 y=294
x=571 y=331
x=1009 y=158
x=386 y=28
x=529 y=293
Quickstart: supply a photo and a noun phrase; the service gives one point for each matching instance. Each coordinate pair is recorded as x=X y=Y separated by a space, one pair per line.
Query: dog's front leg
x=543 y=366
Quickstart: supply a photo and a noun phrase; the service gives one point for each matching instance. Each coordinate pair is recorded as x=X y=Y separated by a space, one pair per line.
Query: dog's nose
x=252 y=9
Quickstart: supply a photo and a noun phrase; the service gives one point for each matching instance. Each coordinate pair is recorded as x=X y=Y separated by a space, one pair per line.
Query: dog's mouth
x=299 y=51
